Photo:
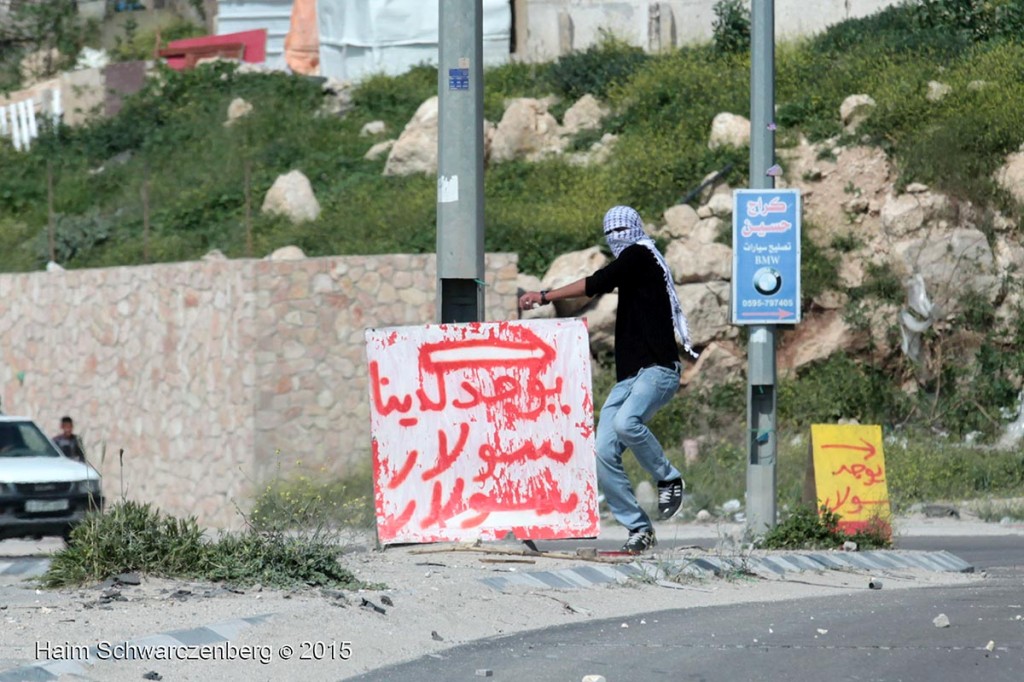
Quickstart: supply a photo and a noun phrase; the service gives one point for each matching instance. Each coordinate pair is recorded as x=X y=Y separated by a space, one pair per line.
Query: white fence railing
x=18 y=120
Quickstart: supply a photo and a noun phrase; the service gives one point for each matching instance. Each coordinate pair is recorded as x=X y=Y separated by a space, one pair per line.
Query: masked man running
x=648 y=322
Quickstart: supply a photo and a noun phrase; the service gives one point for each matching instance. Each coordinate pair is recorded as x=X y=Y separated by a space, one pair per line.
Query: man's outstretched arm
x=532 y=299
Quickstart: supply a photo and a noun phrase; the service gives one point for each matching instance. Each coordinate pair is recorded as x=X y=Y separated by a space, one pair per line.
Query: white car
x=42 y=492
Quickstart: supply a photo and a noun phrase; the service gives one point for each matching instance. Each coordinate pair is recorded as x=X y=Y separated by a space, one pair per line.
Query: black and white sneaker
x=670 y=498
x=640 y=540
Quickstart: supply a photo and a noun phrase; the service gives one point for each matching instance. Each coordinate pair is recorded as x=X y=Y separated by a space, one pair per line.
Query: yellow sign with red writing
x=849 y=475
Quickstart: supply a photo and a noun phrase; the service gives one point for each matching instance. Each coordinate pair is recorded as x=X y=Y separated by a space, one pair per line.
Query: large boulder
x=707 y=310
x=586 y=114
x=373 y=128
x=598 y=153
x=953 y=263
x=692 y=261
x=526 y=130
x=720 y=205
x=905 y=214
x=239 y=108
x=680 y=221
x=570 y=267
x=378 y=150
x=937 y=91
x=816 y=338
x=337 y=96
x=719 y=363
x=416 y=148
x=706 y=230
x=1008 y=257
x=729 y=130
x=286 y=253
x=292 y=196
x=854 y=110
x=1010 y=175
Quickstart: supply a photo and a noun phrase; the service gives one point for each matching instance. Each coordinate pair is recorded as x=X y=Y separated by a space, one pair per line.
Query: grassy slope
x=172 y=133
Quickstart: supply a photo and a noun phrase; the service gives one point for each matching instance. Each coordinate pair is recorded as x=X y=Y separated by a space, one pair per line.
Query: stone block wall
x=312 y=400
x=203 y=372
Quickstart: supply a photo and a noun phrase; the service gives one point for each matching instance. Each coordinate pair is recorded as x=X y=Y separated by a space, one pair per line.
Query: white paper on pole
x=447 y=189
x=482 y=429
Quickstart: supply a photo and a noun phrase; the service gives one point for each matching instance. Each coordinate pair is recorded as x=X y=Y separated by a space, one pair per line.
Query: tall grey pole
x=460 y=161
x=761 y=375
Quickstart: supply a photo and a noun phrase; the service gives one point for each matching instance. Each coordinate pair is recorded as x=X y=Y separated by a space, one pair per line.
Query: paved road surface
x=885 y=635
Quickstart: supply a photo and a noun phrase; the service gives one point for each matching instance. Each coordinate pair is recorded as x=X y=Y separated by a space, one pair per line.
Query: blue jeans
x=630 y=405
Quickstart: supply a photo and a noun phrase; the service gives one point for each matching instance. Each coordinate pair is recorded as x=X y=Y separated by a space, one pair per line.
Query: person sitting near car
x=68 y=442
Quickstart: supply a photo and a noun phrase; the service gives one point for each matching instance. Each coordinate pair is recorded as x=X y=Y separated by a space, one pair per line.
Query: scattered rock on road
x=941 y=621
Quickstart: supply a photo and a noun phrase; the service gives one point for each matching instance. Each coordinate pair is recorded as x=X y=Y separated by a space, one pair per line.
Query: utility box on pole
x=460 y=160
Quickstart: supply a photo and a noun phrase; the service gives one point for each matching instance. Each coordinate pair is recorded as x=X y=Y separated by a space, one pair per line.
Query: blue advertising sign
x=766 y=256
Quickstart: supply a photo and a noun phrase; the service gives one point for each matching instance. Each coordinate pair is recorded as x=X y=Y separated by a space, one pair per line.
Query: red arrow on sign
x=774 y=313
x=869 y=448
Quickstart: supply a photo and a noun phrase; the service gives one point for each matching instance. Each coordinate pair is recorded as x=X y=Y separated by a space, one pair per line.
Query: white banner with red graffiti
x=480 y=429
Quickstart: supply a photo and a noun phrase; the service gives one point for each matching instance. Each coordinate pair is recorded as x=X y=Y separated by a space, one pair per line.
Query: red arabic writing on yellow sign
x=849 y=472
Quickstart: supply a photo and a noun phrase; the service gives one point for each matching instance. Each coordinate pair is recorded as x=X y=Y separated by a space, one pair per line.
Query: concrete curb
x=712 y=566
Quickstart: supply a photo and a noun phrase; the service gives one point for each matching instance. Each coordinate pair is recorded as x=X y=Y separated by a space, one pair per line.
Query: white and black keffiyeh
x=625 y=217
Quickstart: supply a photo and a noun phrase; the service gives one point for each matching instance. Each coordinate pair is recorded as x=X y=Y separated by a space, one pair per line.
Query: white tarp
x=482 y=429
x=363 y=37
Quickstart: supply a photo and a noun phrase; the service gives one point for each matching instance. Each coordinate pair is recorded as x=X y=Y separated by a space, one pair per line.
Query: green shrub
x=597 y=69
x=819 y=269
x=141 y=45
x=731 y=27
x=840 y=387
x=978 y=19
x=881 y=283
x=515 y=79
x=806 y=528
x=923 y=470
x=130 y=536
x=394 y=99
x=993 y=510
x=277 y=559
x=315 y=502
x=564 y=211
x=894 y=29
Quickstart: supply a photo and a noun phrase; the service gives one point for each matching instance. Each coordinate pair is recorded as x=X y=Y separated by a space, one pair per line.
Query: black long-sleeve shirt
x=70 y=446
x=644 y=332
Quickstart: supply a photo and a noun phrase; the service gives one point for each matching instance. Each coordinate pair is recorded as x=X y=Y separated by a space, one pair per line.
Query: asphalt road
x=885 y=635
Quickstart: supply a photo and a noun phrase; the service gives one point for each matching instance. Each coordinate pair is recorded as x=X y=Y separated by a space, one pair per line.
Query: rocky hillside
x=903 y=131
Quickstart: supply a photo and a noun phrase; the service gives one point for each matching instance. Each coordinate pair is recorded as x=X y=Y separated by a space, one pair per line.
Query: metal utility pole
x=460 y=160
x=761 y=374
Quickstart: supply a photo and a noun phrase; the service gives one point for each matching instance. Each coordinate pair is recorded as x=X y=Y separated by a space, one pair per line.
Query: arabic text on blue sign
x=458 y=79
x=766 y=257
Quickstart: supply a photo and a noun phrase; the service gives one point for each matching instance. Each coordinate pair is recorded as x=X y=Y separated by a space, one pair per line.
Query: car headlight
x=89 y=487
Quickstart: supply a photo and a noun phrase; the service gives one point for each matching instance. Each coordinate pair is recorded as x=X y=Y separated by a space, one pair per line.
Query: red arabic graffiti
x=485 y=419
x=856 y=504
x=862 y=472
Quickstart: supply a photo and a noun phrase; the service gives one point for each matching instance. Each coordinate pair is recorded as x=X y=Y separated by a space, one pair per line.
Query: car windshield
x=24 y=439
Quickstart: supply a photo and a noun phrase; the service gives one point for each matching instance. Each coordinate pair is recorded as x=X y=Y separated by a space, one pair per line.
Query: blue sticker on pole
x=766 y=256
x=458 y=79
